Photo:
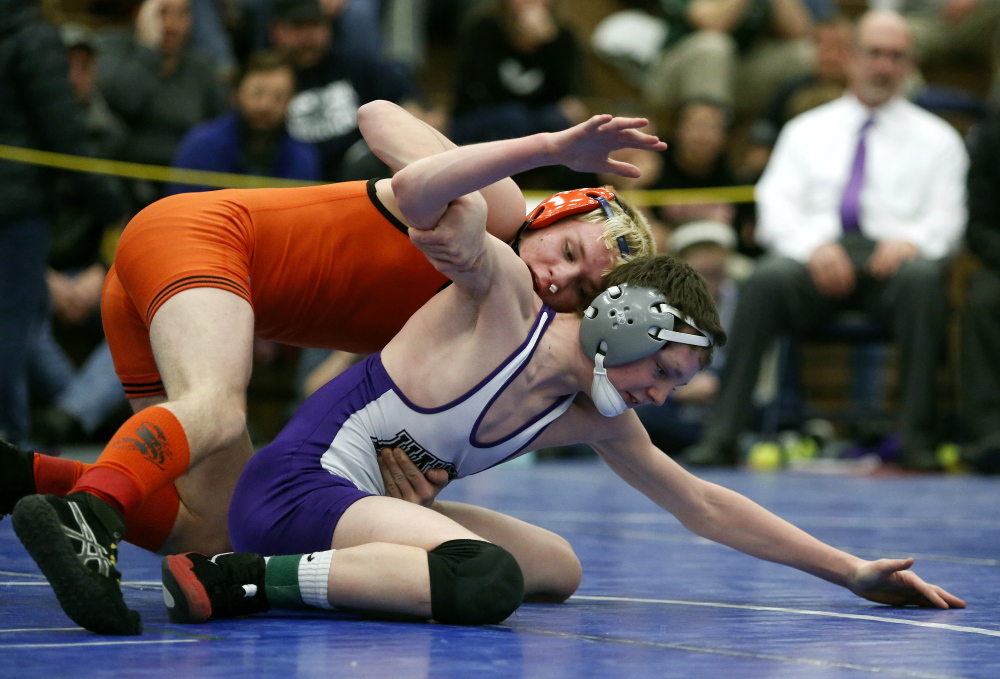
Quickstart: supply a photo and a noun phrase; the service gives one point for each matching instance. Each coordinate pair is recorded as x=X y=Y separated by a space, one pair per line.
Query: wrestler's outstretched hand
x=404 y=481
x=585 y=147
x=889 y=581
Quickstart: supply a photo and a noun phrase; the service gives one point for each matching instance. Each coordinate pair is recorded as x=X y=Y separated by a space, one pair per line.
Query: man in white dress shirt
x=859 y=207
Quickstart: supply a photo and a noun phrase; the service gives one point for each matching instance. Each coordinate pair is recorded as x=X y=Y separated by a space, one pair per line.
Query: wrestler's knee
x=566 y=572
x=215 y=419
x=473 y=583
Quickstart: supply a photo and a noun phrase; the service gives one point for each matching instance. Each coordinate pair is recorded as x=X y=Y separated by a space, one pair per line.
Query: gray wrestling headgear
x=624 y=324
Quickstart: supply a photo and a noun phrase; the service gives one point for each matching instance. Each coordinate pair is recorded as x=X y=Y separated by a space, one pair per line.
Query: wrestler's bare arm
x=424 y=188
x=465 y=331
x=729 y=518
x=398 y=139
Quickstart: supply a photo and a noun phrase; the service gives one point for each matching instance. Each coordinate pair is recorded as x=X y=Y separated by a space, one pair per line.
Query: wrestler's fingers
x=387 y=480
x=624 y=169
x=638 y=139
x=932 y=595
x=622 y=123
x=597 y=121
x=949 y=598
x=409 y=469
x=438 y=478
x=398 y=475
x=396 y=471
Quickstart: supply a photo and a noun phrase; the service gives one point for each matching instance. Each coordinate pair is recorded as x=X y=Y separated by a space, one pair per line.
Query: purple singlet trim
x=479 y=420
x=545 y=315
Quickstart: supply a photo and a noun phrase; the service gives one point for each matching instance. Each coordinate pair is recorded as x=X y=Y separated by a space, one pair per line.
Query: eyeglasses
x=894 y=56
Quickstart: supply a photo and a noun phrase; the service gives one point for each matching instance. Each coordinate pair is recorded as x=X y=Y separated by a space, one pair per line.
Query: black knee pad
x=473 y=583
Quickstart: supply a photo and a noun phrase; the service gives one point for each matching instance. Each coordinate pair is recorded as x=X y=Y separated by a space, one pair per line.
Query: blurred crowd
x=868 y=130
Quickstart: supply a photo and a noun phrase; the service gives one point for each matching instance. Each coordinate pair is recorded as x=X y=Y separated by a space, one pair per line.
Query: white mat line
x=797 y=611
x=815 y=662
x=37 y=576
x=102 y=643
x=137 y=584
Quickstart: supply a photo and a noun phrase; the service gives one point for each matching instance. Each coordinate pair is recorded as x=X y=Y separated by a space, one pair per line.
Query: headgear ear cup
x=623 y=324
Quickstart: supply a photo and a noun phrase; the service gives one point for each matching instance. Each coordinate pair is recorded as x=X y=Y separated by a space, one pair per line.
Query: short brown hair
x=683 y=287
x=265 y=61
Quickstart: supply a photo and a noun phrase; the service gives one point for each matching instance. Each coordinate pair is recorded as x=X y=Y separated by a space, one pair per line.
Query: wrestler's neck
x=559 y=366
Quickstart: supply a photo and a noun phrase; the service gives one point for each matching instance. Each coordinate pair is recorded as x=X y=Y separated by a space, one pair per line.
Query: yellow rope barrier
x=159 y=173
x=225 y=180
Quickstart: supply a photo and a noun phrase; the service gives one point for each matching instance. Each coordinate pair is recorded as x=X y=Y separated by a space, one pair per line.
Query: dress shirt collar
x=862 y=112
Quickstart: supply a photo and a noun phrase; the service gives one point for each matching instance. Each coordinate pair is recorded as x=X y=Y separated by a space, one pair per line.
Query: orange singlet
x=325 y=266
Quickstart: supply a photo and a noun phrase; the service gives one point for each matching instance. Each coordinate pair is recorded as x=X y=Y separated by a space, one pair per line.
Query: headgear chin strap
x=624 y=324
x=567 y=203
x=607 y=399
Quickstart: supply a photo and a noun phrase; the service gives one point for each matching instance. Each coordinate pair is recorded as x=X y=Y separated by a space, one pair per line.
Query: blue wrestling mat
x=656 y=601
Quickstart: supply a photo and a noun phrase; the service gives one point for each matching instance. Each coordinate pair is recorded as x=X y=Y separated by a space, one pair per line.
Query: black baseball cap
x=296 y=11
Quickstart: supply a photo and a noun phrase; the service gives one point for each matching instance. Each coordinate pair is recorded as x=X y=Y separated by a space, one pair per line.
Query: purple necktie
x=850 y=205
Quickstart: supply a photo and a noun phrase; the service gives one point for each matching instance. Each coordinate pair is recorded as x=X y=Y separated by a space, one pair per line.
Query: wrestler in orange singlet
x=197 y=276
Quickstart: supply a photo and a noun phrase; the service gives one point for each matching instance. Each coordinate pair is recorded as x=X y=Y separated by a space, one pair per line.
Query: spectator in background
x=78 y=401
x=826 y=82
x=212 y=22
x=519 y=72
x=860 y=205
x=709 y=248
x=737 y=52
x=696 y=158
x=37 y=110
x=332 y=84
x=252 y=139
x=161 y=87
x=951 y=30
x=980 y=369
x=356 y=26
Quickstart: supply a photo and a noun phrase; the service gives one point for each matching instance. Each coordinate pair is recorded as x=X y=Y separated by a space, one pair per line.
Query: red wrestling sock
x=149 y=526
x=148 y=452
x=56 y=475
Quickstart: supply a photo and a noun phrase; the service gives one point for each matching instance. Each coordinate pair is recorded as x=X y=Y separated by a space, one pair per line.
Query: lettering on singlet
x=422 y=458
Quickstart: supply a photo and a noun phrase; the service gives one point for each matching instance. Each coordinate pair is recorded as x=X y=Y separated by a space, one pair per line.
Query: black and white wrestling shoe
x=74 y=541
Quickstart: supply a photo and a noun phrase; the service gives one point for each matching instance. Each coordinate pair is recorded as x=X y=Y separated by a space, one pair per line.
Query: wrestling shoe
x=74 y=541
x=196 y=587
x=17 y=476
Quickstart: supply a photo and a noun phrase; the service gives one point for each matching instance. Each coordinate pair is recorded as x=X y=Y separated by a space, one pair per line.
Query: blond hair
x=627 y=223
